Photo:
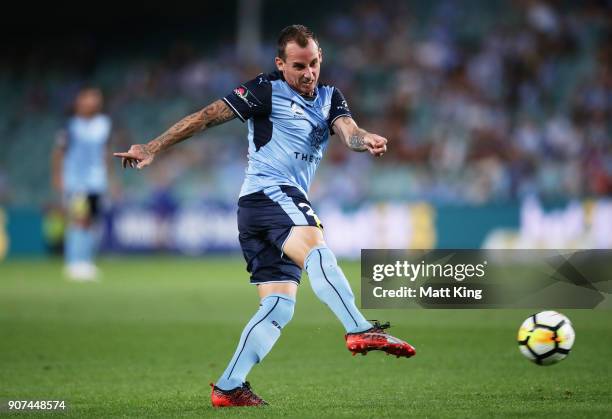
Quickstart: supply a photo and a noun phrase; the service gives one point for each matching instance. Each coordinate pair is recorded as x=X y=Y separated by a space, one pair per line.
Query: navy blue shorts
x=265 y=219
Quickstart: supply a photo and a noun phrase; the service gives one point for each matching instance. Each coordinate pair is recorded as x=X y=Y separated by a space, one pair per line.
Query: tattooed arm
x=358 y=139
x=141 y=155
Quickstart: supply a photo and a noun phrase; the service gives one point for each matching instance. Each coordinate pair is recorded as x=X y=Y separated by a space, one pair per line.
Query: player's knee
x=315 y=241
x=86 y=223
x=315 y=238
x=281 y=309
x=301 y=241
x=307 y=236
x=285 y=310
x=80 y=220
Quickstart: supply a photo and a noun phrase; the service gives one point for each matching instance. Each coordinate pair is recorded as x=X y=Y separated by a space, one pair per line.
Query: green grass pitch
x=148 y=339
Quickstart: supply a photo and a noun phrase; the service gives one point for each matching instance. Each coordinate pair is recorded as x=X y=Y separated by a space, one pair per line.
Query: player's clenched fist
x=376 y=145
x=138 y=156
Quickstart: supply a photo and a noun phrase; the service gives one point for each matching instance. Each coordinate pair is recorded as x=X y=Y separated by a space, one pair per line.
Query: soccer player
x=290 y=117
x=79 y=173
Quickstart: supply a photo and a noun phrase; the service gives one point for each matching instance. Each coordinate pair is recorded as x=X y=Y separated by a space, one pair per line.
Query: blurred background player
x=291 y=117
x=80 y=175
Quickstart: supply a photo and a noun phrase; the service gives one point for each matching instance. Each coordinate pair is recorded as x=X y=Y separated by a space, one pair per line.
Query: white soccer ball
x=546 y=337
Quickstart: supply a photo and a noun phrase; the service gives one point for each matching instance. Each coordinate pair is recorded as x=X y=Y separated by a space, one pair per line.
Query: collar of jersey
x=306 y=102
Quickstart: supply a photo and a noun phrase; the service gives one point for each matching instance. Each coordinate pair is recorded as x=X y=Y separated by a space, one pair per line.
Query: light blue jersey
x=287 y=132
x=85 y=145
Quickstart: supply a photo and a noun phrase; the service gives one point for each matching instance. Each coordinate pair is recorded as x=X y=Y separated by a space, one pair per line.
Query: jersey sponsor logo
x=247 y=97
x=316 y=136
x=309 y=158
x=296 y=109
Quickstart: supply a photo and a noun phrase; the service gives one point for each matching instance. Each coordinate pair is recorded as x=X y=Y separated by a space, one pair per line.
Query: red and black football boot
x=376 y=339
x=240 y=396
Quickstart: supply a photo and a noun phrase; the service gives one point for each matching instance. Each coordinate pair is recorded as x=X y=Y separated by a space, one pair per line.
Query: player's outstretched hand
x=377 y=145
x=138 y=156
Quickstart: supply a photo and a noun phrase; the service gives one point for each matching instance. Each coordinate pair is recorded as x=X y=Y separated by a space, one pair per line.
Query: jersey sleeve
x=253 y=98
x=339 y=107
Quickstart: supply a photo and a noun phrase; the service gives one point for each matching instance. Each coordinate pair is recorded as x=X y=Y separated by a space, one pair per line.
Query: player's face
x=88 y=102
x=301 y=66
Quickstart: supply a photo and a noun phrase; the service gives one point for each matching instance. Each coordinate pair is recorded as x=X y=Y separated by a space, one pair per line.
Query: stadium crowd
x=480 y=105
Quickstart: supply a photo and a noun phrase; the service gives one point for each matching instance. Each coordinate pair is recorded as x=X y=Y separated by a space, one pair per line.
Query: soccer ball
x=546 y=337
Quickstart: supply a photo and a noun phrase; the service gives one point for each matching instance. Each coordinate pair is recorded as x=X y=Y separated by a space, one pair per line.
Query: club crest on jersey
x=247 y=97
x=296 y=109
x=316 y=137
x=241 y=92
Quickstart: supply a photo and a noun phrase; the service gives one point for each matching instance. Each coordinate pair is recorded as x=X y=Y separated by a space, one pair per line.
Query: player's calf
x=257 y=339
x=331 y=286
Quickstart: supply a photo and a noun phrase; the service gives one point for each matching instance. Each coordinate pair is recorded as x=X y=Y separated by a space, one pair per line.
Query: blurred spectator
x=482 y=104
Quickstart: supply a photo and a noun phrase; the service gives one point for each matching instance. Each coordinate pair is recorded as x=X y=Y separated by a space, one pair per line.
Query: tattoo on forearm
x=214 y=114
x=217 y=113
x=356 y=140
